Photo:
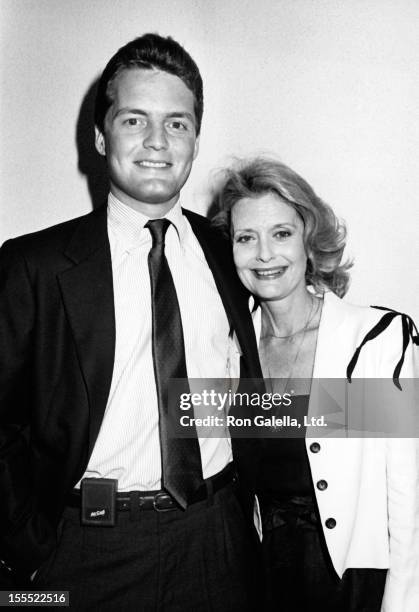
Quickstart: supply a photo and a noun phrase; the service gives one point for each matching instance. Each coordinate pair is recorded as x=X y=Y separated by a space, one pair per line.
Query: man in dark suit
x=96 y=315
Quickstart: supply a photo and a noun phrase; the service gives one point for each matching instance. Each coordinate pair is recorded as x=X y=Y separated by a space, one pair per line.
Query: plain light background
x=329 y=86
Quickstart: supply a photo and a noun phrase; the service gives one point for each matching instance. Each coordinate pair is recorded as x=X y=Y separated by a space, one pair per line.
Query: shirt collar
x=128 y=224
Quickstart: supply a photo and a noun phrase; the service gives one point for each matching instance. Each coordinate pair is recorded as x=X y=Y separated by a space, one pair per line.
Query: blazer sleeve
x=402 y=585
x=25 y=536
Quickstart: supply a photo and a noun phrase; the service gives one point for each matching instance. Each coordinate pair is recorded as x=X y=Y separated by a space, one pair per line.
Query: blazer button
x=330 y=523
x=315 y=447
x=322 y=485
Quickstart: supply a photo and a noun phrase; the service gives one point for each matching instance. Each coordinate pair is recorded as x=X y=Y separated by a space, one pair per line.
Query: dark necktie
x=181 y=458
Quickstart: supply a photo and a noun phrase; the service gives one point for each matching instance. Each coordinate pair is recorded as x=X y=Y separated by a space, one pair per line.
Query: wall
x=328 y=85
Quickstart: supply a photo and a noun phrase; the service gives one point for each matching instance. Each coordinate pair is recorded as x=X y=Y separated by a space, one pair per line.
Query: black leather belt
x=160 y=500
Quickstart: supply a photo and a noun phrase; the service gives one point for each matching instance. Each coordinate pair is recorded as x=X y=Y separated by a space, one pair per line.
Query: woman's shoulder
x=366 y=315
x=382 y=331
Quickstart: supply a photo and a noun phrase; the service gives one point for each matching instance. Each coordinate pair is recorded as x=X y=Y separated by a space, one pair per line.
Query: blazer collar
x=326 y=361
x=87 y=293
x=91 y=235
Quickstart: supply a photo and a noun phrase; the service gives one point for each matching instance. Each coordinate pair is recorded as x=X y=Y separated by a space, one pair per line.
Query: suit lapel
x=330 y=359
x=87 y=292
x=328 y=390
x=233 y=295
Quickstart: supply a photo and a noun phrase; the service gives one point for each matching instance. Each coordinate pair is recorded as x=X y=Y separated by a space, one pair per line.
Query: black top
x=285 y=468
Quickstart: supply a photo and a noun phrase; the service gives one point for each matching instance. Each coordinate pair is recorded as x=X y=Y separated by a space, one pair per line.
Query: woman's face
x=268 y=246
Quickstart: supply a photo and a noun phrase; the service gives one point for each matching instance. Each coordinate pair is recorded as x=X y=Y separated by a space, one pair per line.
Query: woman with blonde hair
x=340 y=515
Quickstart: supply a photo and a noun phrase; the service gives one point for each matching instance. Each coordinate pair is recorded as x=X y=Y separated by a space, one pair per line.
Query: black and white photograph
x=205 y=201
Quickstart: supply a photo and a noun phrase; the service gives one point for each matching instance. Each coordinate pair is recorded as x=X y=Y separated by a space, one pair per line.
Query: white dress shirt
x=128 y=446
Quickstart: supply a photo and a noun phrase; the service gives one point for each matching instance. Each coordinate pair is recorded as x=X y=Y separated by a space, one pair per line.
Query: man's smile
x=148 y=163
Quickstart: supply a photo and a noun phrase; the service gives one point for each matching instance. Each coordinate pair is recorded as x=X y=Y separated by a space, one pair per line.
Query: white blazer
x=372 y=491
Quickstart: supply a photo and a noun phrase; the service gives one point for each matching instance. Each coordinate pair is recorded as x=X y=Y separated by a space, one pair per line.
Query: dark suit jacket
x=57 y=340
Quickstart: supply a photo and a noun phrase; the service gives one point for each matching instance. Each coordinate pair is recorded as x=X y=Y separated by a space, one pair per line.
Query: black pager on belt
x=98 y=501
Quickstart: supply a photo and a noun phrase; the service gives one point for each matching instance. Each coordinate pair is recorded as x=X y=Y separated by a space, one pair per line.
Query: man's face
x=149 y=139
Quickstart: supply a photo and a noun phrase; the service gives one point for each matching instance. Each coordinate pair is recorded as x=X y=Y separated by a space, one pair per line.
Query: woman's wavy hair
x=324 y=235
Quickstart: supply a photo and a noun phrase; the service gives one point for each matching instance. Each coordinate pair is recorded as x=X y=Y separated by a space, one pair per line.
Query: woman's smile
x=269 y=273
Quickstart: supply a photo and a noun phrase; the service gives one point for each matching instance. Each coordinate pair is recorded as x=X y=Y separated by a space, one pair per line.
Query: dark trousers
x=300 y=576
x=194 y=560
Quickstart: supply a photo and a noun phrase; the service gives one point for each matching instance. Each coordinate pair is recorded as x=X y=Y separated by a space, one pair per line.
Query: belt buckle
x=161 y=496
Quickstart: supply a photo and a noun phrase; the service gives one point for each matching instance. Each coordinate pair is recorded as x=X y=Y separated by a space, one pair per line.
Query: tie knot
x=158 y=229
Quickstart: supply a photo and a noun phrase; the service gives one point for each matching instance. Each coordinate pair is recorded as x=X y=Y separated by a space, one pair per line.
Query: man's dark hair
x=147 y=52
